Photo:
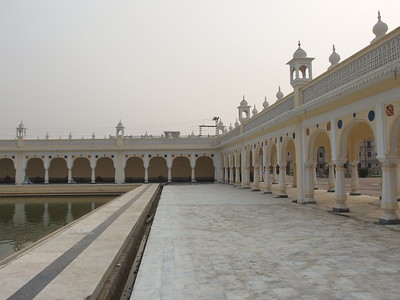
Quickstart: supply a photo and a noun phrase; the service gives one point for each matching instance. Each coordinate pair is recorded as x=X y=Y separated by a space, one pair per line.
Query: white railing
x=378 y=57
x=275 y=110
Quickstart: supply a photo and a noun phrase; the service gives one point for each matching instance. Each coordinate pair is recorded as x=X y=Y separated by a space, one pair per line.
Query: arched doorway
x=105 y=170
x=58 y=171
x=204 y=170
x=158 y=170
x=134 y=170
x=81 y=170
x=35 y=170
x=181 y=170
x=7 y=171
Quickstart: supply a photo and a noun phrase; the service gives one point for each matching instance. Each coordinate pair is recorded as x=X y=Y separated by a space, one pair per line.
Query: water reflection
x=24 y=220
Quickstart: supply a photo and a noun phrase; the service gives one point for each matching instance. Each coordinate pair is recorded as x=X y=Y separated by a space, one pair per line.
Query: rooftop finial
x=379 y=14
x=299 y=44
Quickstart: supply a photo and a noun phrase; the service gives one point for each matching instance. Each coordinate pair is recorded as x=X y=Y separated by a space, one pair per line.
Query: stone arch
x=134 y=170
x=319 y=139
x=7 y=171
x=351 y=137
x=105 y=170
x=58 y=170
x=81 y=170
x=158 y=170
x=35 y=170
x=204 y=170
x=181 y=170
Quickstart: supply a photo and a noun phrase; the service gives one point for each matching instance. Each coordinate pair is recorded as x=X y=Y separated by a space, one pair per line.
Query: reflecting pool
x=24 y=220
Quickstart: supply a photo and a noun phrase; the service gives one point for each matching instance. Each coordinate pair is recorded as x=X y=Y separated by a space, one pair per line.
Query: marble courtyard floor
x=218 y=242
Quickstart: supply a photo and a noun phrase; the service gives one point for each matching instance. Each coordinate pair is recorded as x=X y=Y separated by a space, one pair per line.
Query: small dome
x=230 y=127
x=21 y=125
x=334 y=58
x=255 y=111
x=265 y=103
x=380 y=28
x=299 y=53
x=243 y=102
x=220 y=123
x=237 y=123
x=120 y=124
x=279 y=94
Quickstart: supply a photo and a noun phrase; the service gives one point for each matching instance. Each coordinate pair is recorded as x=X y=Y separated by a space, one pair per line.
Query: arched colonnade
x=266 y=160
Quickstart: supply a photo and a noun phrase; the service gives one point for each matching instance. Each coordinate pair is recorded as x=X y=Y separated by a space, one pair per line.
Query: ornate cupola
x=21 y=131
x=300 y=67
x=120 y=129
x=334 y=58
x=244 y=110
x=379 y=29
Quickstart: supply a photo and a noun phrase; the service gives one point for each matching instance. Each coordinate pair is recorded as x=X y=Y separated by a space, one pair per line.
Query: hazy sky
x=157 y=65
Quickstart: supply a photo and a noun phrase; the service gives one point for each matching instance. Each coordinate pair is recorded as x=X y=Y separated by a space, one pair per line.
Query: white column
x=274 y=174
x=46 y=165
x=226 y=176
x=354 y=179
x=340 y=190
x=231 y=177
x=237 y=176
x=309 y=182
x=294 y=184
x=256 y=178
x=123 y=174
x=169 y=175
x=146 y=175
x=331 y=179
x=93 y=162
x=93 y=177
x=146 y=163
x=389 y=193
x=193 y=166
x=282 y=180
x=267 y=179
x=46 y=175
x=69 y=166
x=398 y=179
x=315 y=181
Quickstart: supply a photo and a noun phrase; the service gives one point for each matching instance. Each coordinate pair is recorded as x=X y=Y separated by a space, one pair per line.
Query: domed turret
x=237 y=123
x=334 y=58
x=279 y=94
x=299 y=53
x=265 y=103
x=300 y=67
x=379 y=29
x=244 y=110
x=255 y=111
x=21 y=130
x=230 y=126
x=120 y=129
x=243 y=102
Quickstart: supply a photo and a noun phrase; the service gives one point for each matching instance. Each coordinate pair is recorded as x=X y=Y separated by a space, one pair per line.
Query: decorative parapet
x=382 y=58
x=275 y=110
x=230 y=134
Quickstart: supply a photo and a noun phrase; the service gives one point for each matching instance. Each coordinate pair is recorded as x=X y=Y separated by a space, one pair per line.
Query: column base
x=266 y=192
x=281 y=196
x=246 y=187
x=388 y=222
x=355 y=193
x=340 y=209
x=309 y=202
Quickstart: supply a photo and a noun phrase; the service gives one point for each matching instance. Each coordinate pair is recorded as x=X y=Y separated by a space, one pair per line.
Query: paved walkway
x=219 y=242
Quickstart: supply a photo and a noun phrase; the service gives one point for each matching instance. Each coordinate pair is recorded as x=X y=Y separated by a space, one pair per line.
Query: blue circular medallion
x=340 y=124
x=371 y=115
